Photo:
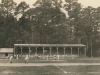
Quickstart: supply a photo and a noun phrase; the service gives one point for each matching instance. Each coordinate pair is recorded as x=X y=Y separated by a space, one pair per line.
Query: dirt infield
x=48 y=64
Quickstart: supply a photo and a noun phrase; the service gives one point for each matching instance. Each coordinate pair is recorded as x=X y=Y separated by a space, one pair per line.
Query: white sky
x=85 y=3
x=94 y=3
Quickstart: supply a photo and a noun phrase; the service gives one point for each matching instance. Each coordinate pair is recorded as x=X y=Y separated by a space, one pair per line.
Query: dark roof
x=49 y=45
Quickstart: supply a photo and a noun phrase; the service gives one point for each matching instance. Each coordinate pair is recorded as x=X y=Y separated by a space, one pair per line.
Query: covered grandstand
x=50 y=49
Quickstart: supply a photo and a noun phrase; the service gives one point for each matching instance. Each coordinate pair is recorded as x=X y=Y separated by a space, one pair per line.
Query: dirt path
x=48 y=64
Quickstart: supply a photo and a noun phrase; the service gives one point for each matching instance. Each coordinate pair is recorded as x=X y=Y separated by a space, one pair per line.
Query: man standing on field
x=26 y=59
x=10 y=59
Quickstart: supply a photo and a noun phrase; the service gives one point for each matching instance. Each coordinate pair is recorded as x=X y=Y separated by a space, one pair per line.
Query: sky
x=85 y=3
x=93 y=3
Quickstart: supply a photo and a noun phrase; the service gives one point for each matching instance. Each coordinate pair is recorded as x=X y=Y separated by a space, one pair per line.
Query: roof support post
x=78 y=51
x=29 y=51
x=21 y=52
x=85 y=51
x=43 y=51
x=50 y=51
x=64 y=51
x=71 y=50
x=57 y=50
x=36 y=50
x=14 y=52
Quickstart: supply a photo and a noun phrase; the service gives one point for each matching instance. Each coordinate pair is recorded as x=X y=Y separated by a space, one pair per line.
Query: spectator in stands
x=72 y=56
x=38 y=57
x=66 y=56
x=47 y=57
x=58 y=56
x=55 y=57
x=17 y=56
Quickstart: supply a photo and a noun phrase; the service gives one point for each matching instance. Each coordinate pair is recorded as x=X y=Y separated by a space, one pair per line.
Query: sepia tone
x=49 y=37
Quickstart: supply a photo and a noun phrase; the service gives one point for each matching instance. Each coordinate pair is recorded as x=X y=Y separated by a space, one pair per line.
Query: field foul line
x=61 y=69
x=75 y=72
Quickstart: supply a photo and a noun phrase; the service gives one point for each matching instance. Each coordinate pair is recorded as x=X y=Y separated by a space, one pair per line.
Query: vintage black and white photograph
x=49 y=37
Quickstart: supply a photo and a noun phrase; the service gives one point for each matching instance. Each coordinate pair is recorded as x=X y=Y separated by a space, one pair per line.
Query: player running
x=26 y=59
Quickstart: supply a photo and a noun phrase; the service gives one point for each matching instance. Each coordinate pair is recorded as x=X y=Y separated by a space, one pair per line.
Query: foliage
x=46 y=22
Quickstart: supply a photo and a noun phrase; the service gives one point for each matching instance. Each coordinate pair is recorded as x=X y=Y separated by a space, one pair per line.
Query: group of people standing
x=25 y=59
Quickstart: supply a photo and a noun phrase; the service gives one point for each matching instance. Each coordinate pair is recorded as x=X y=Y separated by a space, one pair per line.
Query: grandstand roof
x=49 y=45
x=6 y=50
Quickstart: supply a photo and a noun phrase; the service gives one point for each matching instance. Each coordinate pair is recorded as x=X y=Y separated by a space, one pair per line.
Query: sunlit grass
x=51 y=70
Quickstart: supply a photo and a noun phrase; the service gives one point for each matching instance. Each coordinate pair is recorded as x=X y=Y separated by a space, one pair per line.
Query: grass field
x=51 y=70
x=69 y=60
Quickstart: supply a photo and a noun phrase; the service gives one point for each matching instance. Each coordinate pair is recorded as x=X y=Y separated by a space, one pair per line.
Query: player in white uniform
x=10 y=59
x=26 y=59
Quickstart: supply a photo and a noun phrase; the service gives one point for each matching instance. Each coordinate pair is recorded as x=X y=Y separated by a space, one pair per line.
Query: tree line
x=50 y=22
